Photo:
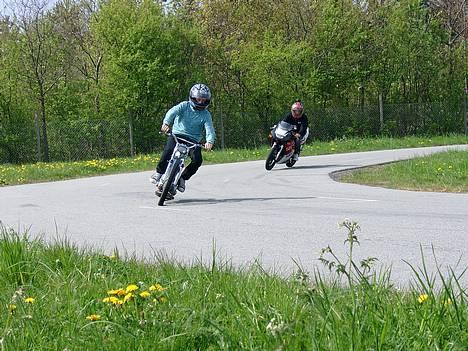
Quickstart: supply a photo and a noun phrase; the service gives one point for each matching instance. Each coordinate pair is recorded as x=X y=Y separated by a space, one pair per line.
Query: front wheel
x=271 y=159
x=168 y=184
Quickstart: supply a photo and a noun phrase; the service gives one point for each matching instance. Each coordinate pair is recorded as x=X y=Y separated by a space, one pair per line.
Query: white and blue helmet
x=200 y=91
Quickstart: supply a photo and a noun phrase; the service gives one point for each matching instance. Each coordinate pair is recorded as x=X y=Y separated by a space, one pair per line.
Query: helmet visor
x=297 y=112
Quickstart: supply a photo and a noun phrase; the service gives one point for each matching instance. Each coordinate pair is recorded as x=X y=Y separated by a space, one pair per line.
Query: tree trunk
x=45 y=142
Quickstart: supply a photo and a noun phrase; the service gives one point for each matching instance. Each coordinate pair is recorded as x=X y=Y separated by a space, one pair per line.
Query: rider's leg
x=163 y=161
x=194 y=165
x=297 y=149
x=165 y=156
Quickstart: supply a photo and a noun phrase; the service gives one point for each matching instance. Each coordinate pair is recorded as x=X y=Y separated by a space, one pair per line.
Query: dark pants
x=297 y=146
x=191 y=169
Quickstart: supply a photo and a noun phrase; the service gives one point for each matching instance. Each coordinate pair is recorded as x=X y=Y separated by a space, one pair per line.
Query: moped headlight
x=177 y=154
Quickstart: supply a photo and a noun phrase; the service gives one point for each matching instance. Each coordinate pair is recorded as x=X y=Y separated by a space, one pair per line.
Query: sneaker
x=155 y=177
x=295 y=157
x=181 y=185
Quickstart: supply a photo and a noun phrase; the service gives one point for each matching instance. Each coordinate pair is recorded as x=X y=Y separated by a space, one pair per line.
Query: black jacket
x=301 y=123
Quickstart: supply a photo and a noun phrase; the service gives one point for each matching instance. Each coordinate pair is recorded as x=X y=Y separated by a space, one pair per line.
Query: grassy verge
x=444 y=172
x=31 y=173
x=59 y=297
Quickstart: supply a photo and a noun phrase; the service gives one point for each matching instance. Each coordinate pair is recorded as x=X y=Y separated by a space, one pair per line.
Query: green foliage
x=130 y=61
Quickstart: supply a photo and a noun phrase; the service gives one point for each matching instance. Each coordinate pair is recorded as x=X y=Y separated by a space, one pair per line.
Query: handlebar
x=184 y=140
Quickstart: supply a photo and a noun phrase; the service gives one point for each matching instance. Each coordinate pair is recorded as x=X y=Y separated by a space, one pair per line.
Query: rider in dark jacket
x=298 y=118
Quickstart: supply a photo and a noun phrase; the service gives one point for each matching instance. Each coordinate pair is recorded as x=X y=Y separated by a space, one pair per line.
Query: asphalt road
x=249 y=215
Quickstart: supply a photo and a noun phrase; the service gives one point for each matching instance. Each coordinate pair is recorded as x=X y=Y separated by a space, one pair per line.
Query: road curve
x=275 y=217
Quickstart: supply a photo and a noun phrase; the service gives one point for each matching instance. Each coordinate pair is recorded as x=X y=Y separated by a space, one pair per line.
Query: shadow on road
x=310 y=167
x=236 y=200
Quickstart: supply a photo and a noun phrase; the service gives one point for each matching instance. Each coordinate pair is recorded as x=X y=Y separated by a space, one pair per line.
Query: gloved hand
x=165 y=128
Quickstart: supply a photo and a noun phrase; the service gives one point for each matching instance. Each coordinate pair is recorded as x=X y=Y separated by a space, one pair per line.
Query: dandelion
x=111 y=299
x=422 y=298
x=145 y=294
x=93 y=317
x=118 y=292
x=131 y=287
x=29 y=300
x=127 y=297
x=156 y=287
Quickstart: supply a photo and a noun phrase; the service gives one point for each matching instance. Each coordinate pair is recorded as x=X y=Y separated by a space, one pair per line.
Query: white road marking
x=345 y=198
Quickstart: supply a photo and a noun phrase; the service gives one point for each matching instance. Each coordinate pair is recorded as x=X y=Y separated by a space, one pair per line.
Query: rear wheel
x=290 y=162
x=271 y=159
x=168 y=184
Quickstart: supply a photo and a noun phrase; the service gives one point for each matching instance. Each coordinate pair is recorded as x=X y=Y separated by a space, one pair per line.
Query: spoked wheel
x=167 y=185
x=271 y=159
x=290 y=162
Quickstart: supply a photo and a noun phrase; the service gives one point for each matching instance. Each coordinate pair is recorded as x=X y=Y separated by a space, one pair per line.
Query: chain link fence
x=94 y=139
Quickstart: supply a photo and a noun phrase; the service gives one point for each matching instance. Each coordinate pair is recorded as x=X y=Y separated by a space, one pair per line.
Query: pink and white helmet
x=297 y=109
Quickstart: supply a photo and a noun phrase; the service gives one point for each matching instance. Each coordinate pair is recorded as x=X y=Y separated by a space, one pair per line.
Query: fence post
x=465 y=107
x=381 y=112
x=222 y=128
x=38 y=137
x=130 y=133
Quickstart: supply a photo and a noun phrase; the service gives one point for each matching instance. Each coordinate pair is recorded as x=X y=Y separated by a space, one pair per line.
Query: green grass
x=53 y=297
x=40 y=172
x=443 y=172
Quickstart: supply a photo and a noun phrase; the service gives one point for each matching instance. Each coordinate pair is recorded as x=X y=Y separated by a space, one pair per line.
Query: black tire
x=290 y=162
x=168 y=184
x=271 y=159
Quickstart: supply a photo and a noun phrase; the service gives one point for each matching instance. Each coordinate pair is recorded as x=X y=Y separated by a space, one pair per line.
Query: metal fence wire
x=72 y=140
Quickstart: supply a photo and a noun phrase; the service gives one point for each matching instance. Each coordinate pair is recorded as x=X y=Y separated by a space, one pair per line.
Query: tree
x=41 y=54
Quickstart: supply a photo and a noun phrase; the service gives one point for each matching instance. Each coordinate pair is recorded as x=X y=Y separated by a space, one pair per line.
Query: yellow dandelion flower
x=128 y=297
x=93 y=317
x=111 y=299
x=29 y=300
x=131 y=287
x=163 y=299
x=156 y=287
x=118 y=302
x=113 y=292
x=145 y=294
x=422 y=298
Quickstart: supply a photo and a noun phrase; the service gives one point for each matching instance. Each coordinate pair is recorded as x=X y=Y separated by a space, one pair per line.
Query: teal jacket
x=185 y=120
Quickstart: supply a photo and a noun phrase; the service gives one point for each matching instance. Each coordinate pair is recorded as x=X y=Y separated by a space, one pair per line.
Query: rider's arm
x=209 y=129
x=172 y=113
x=304 y=126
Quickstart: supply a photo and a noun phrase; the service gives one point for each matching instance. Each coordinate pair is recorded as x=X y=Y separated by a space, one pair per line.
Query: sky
x=6 y=6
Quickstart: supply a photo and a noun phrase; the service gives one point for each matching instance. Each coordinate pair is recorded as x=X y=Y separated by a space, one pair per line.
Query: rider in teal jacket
x=188 y=120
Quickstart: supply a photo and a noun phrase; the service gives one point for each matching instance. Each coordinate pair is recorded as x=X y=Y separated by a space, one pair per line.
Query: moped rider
x=298 y=118
x=188 y=120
